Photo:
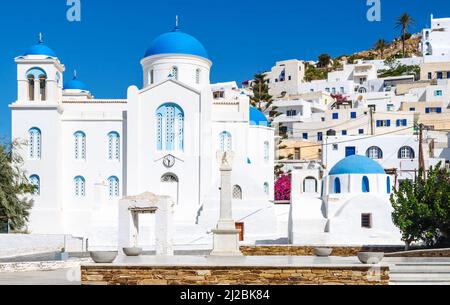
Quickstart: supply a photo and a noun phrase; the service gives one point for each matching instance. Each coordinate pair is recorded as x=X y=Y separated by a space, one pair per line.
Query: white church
x=85 y=154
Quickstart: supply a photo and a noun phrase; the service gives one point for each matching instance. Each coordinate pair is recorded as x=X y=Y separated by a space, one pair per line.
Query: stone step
x=420 y=277
x=420 y=269
x=394 y=283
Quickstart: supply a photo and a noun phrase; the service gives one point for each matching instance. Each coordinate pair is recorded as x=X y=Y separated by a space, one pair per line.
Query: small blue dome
x=75 y=84
x=357 y=165
x=176 y=42
x=258 y=118
x=40 y=49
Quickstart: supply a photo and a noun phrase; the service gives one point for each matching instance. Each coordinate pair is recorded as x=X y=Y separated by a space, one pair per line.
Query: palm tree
x=381 y=46
x=404 y=22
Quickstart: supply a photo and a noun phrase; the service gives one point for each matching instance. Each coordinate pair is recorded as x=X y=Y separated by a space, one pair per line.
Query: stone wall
x=288 y=250
x=141 y=275
x=12 y=245
x=422 y=253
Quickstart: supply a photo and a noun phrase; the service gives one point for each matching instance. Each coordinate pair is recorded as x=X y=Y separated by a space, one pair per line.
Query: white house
x=436 y=41
x=349 y=206
x=396 y=153
x=84 y=154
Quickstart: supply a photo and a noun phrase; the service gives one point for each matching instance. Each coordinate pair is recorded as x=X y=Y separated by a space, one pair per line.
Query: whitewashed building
x=348 y=206
x=84 y=154
x=436 y=41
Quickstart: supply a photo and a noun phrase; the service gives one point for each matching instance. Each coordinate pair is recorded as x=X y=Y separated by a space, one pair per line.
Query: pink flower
x=283 y=188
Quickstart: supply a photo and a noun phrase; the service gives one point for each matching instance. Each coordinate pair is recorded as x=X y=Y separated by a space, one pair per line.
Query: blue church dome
x=258 y=118
x=357 y=165
x=75 y=84
x=176 y=42
x=40 y=49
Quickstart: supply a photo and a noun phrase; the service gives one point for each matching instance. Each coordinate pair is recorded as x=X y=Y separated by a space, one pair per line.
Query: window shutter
x=439 y=110
x=427 y=110
x=388 y=123
x=378 y=123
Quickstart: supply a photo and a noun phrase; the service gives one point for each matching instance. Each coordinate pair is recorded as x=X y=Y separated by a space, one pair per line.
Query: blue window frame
x=350 y=151
x=361 y=131
x=388 y=185
x=430 y=75
x=440 y=75
x=319 y=136
x=353 y=115
x=113 y=186
x=226 y=141
x=80 y=145
x=365 y=185
x=344 y=132
x=305 y=136
x=114 y=146
x=80 y=186
x=335 y=116
x=438 y=93
x=337 y=186
x=412 y=109
x=170 y=127
x=36 y=182
x=34 y=143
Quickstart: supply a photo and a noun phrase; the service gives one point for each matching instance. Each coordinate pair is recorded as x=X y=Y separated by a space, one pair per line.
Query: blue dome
x=75 y=84
x=258 y=118
x=40 y=49
x=176 y=42
x=357 y=165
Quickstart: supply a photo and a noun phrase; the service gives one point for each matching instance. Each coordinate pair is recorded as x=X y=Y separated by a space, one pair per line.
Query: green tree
x=422 y=208
x=261 y=98
x=14 y=187
x=404 y=22
x=324 y=60
x=380 y=46
x=312 y=73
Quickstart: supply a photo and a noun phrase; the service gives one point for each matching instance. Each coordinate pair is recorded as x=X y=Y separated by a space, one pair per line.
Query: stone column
x=37 y=90
x=164 y=227
x=226 y=236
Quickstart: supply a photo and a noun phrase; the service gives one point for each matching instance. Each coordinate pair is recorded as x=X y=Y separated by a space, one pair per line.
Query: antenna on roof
x=177 y=21
x=40 y=40
x=75 y=74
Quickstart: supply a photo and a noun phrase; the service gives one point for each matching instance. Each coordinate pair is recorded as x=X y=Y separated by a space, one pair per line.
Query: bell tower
x=39 y=75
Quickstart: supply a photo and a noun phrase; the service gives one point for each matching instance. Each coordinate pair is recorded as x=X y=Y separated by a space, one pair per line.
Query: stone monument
x=226 y=236
x=129 y=210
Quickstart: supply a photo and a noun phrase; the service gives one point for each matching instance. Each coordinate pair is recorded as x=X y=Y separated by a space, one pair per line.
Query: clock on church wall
x=169 y=161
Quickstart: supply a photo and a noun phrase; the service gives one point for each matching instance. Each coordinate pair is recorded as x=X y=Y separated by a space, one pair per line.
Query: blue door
x=350 y=151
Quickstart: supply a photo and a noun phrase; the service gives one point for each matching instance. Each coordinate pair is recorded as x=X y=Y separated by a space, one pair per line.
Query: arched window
x=237 y=192
x=406 y=152
x=169 y=178
x=170 y=128
x=266 y=188
x=35 y=143
x=365 y=185
x=37 y=77
x=388 y=185
x=337 y=186
x=374 y=152
x=30 y=87
x=36 y=182
x=226 y=141
x=197 y=76
x=114 y=146
x=310 y=185
x=80 y=145
x=79 y=186
x=113 y=186
x=174 y=73
x=266 y=151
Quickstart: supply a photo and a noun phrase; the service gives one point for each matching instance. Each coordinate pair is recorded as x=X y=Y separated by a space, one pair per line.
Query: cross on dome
x=40 y=39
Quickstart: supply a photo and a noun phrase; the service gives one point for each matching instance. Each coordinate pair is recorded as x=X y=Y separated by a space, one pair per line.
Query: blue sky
x=242 y=37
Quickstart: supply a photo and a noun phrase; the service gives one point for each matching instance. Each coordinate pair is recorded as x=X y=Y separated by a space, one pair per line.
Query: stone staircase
x=419 y=271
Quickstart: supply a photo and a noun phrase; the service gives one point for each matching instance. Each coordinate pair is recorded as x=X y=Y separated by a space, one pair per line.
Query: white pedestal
x=226 y=243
